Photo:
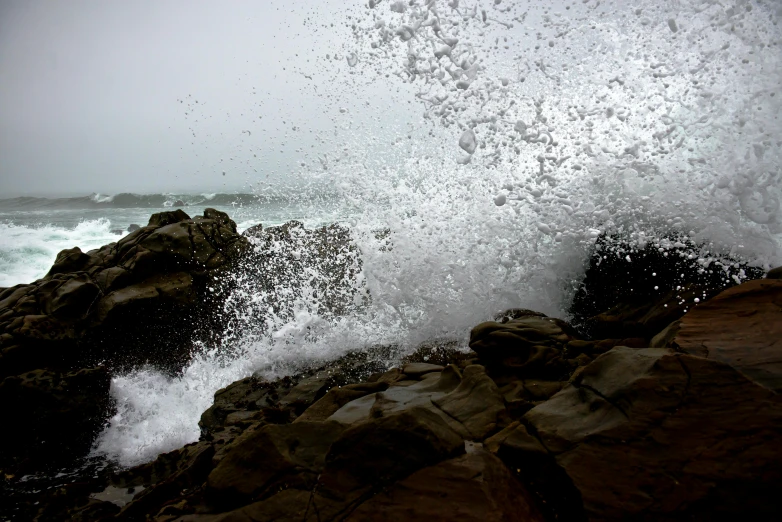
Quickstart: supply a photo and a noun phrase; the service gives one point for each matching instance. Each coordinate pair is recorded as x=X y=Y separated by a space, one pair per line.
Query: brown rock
x=473 y=487
x=529 y=345
x=648 y=434
x=741 y=327
x=475 y=403
x=383 y=450
x=337 y=398
x=262 y=459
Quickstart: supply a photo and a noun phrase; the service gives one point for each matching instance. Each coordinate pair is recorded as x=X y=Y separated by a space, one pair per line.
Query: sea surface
x=34 y=230
x=542 y=126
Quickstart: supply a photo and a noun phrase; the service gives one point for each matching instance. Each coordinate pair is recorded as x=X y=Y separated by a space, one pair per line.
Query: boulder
x=741 y=327
x=650 y=434
x=374 y=454
x=269 y=458
x=473 y=487
x=529 y=345
x=628 y=284
x=475 y=403
x=50 y=416
x=774 y=273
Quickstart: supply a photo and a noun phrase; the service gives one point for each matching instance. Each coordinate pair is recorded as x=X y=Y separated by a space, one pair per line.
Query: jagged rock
x=261 y=460
x=475 y=403
x=556 y=496
x=627 y=284
x=741 y=327
x=473 y=487
x=161 y=271
x=649 y=434
x=50 y=415
x=374 y=454
x=415 y=370
x=529 y=345
x=336 y=398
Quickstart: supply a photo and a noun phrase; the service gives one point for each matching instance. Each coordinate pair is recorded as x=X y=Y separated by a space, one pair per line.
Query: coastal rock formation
x=537 y=421
x=741 y=327
x=135 y=301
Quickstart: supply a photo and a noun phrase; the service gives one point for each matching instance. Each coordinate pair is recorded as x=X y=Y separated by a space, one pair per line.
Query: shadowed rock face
x=670 y=436
x=638 y=297
x=144 y=299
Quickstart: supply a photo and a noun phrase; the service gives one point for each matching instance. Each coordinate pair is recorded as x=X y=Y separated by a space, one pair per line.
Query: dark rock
x=374 y=454
x=473 y=487
x=774 y=273
x=336 y=398
x=69 y=260
x=133 y=227
x=415 y=370
x=636 y=291
x=555 y=495
x=254 y=231
x=475 y=403
x=741 y=327
x=162 y=219
x=50 y=416
x=649 y=434
x=529 y=345
x=178 y=203
x=263 y=460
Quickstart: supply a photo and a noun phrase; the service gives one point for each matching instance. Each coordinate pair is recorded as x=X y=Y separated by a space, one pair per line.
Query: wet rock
x=529 y=345
x=336 y=398
x=264 y=459
x=50 y=416
x=165 y=478
x=69 y=260
x=373 y=454
x=133 y=227
x=649 y=434
x=554 y=493
x=627 y=285
x=473 y=487
x=741 y=327
x=475 y=403
x=415 y=370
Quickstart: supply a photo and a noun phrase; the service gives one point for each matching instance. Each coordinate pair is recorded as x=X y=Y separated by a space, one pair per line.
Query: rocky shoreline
x=639 y=412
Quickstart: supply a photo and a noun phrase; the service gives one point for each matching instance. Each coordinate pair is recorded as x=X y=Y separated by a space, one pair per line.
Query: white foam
x=27 y=253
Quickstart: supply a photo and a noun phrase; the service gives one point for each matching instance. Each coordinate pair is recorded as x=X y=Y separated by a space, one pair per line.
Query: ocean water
x=34 y=230
x=543 y=125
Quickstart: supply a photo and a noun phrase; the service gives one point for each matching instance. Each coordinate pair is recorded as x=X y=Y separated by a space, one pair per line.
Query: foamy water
x=28 y=252
x=543 y=127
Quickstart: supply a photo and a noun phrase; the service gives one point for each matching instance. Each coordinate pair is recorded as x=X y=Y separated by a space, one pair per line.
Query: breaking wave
x=543 y=128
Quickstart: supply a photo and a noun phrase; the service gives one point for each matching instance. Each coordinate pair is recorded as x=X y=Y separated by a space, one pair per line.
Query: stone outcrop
x=144 y=299
x=652 y=434
x=741 y=327
x=635 y=289
x=538 y=421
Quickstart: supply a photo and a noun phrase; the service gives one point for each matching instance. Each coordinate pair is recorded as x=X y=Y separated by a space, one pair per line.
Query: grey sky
x=100 y=96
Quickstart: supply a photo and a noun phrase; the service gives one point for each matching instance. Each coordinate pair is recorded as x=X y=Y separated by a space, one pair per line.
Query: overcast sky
x=149 y=96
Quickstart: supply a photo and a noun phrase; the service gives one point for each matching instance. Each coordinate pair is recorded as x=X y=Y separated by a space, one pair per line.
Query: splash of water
x=544 y=126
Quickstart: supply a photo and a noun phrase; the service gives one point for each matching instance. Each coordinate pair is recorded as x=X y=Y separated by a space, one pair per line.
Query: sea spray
x=544 y=127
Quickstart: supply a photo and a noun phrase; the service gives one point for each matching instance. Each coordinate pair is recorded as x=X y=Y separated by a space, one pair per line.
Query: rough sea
x=542 y=126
